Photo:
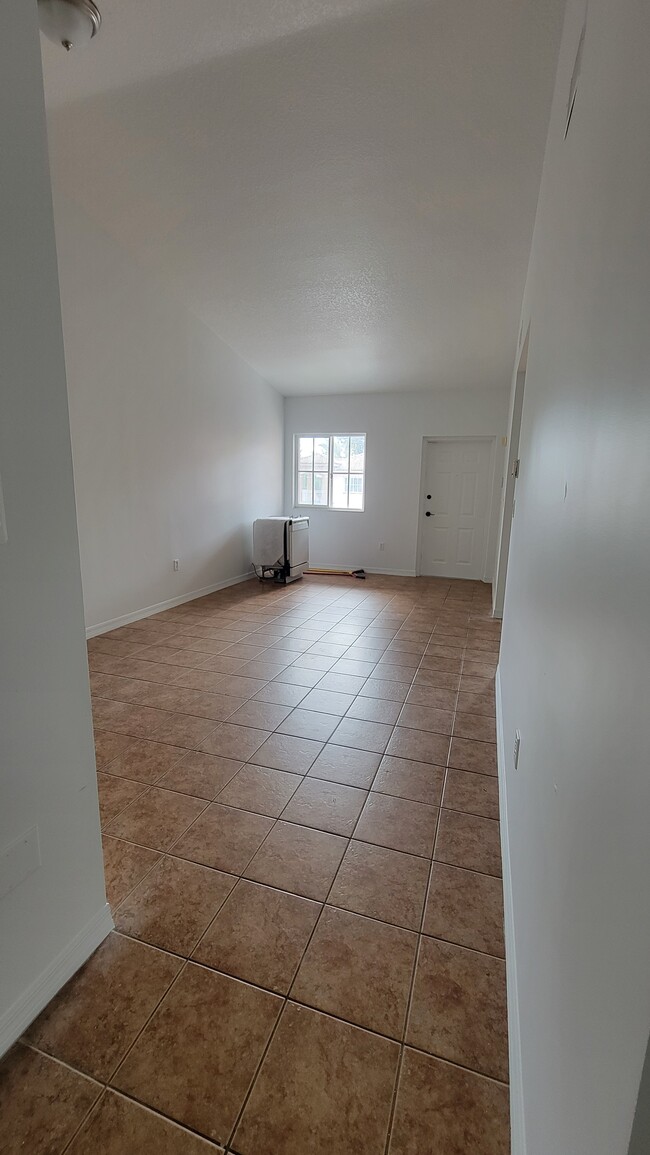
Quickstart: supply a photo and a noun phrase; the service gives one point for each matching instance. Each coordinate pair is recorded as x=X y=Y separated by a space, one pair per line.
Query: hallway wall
x=177 y=443
x=575 y=657
x=53 y=910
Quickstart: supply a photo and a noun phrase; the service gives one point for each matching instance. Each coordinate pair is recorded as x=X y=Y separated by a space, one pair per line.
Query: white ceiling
x=344 y=191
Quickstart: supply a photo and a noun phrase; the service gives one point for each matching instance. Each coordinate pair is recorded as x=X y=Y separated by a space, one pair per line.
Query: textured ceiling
x=343 y=191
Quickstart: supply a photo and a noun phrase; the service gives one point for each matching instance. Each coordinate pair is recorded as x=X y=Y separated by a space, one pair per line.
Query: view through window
x=330 y=470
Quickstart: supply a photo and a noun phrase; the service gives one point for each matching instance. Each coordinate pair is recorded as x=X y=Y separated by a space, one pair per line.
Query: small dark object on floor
x=357 y=573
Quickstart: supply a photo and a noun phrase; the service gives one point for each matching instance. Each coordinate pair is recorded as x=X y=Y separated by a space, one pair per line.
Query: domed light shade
x=69 y=22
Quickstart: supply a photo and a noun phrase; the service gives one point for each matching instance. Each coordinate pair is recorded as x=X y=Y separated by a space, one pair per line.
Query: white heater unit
x=280 y=548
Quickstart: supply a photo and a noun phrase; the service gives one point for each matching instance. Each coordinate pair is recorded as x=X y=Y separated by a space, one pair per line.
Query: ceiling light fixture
x=69 y=22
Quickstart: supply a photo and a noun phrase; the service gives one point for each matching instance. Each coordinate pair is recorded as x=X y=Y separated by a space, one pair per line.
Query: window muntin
x=330 y=470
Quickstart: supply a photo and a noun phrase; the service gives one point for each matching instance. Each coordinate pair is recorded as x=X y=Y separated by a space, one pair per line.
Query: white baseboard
x=393 y=572
x=137 y=615
x=518 y=1131
x=17 y=1018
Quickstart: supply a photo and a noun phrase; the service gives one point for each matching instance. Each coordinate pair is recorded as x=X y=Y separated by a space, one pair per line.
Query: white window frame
x=330 y=473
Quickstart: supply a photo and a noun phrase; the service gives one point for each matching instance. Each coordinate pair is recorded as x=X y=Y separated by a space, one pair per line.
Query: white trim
x=126 y=619
x=517 y=1128
x=392 y=572
x=30 y=1003
x=344 y=569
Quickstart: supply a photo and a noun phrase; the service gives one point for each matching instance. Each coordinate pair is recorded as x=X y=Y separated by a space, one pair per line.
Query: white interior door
x=455 y=508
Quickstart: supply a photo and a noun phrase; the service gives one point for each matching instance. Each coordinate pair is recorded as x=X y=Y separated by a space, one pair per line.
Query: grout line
x=93 y=1107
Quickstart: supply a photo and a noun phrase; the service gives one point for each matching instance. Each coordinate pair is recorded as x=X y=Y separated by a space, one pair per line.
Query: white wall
x=54 y=917
x=575 y=660
x=395 y=424
x=177 y=443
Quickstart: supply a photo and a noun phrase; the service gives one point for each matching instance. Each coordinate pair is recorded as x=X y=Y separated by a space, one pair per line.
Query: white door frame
x=509 y=483
x=426 y=441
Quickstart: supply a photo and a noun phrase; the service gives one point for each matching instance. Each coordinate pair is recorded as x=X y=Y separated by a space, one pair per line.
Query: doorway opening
x=455 y=506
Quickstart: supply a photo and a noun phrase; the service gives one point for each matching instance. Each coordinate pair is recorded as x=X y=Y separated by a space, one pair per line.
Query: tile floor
x=299 y=802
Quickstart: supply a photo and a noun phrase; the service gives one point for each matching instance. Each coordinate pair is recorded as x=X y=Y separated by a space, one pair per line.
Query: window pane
x=356 y=491
x=304 y=488
x=321 y=453
x=306 y=453
x=320 y=488
x=357 y=453
x=340 y=491
x=341 y=446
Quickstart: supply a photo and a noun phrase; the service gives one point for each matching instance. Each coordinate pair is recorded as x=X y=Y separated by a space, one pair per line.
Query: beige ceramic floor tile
x=475 y=726
x=403 y=778
x=358 y=969
x=174 y=904
x=443 y=1110
x=260 y=790
x=469 y=841
x=458 y=1011
x=157 y=818
x=374 y=710
x=298 y=859
x=285 y=752
x=115 y=794
x=259 y=715
x=197 y=1056
x=326 y=806
x=122 y=718
x=346 y=765
x=381 y=883
x=259 y=935
x=109 y=746
x=327 y=701
x=94 y=1019
x=42 y=1102
x=426 y=718
x=472 y=793
x=466 y=908
x=238 y=742
x=362 y=735
x=202 y=775
x=119 y=1126
x=480 y=757
x=398 y=823
x=224 y=838
x=312 y=724
x=324 y=1087
x=419 y=745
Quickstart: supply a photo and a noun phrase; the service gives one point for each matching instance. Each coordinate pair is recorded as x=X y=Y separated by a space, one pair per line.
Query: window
x=330 y=470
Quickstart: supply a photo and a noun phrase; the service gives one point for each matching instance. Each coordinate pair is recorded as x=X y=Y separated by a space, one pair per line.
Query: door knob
x=428 y=514
x=428 y=497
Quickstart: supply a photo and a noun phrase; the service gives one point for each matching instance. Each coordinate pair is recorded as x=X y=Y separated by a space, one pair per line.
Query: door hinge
x=515 y=468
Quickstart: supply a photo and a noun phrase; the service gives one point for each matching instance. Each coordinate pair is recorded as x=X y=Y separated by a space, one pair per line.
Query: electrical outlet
x=516 y=749
x=177 y=565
